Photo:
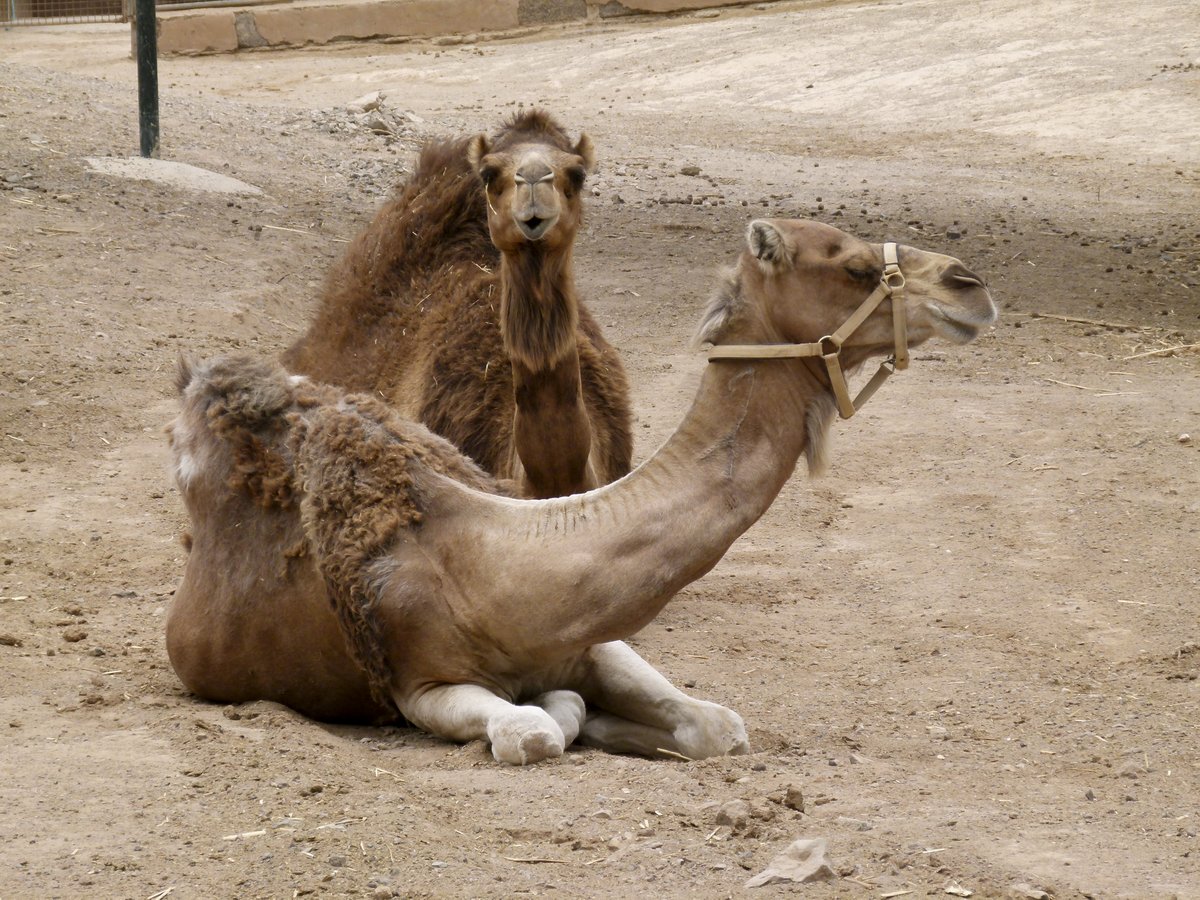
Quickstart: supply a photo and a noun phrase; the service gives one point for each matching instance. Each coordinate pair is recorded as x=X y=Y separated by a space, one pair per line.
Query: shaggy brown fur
x=412 y=314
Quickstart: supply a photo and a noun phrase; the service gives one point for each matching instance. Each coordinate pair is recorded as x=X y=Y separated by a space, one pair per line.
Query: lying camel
x=484 y=341
x=477 y=616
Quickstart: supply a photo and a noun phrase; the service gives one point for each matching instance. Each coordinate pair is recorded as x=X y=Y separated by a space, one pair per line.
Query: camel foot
x=712 y=730
x=707 y=730
x=524 y=735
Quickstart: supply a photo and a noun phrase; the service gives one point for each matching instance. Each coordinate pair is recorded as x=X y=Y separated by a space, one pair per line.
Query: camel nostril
x=958 y=275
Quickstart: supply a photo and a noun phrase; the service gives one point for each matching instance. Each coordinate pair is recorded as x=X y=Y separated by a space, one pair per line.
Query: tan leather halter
x=829 y=348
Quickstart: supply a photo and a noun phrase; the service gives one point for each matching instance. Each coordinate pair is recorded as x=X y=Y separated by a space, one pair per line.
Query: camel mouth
x=535 y=227
x=962 y=321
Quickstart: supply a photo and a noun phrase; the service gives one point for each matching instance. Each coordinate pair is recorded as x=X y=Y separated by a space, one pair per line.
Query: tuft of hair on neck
x=725 y=301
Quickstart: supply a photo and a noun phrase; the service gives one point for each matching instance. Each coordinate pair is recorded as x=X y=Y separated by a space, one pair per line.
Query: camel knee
x=524 y=735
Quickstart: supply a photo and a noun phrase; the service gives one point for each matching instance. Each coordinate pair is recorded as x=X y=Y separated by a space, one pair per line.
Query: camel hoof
x=528 y=736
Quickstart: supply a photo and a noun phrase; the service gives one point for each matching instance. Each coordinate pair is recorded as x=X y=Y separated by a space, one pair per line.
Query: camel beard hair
x=539 y=313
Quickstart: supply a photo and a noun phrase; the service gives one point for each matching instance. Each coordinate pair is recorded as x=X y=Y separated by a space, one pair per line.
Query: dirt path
x=973 y=647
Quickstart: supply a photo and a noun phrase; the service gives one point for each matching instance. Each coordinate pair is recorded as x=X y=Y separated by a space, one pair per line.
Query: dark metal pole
x=147 y=61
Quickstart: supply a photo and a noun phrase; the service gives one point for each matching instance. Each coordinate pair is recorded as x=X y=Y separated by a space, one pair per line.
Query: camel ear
x=585 y=151
x=477 y=148
x=767 y=243
x=478 y=151
x=185 y=370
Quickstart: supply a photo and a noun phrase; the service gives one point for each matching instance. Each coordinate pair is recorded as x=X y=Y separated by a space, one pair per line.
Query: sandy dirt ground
x=967 y=657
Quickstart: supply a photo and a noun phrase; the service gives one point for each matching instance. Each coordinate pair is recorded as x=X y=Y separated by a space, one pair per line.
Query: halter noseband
x=829 y=348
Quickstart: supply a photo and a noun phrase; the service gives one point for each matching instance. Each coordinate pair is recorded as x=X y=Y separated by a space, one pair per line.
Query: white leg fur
x=567 y=709
x=642 y=712
x=467 y=712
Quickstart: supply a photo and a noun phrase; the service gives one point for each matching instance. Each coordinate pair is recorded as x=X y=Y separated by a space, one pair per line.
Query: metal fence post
x=147 y=62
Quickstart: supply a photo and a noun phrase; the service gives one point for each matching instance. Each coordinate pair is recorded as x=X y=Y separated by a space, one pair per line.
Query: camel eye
x=488 y=174
x=860 y=273
x=576 y=175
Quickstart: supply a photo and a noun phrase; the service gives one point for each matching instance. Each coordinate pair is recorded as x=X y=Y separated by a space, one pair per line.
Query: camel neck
x=552 y=433
x=735 y=449
x=539 y=311
x=539 y=315
x=623 y=551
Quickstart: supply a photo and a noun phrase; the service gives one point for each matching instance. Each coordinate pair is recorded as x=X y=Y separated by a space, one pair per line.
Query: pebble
x=794 y=799
x=735 y=814
x=1022 y=889
x=1185 y=438
x=74 y=634
x=690 y=170
x=856 y=824
x=366 y=102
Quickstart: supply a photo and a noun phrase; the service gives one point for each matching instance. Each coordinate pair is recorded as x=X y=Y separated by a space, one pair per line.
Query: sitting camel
x=484 y=341
x=298 y=491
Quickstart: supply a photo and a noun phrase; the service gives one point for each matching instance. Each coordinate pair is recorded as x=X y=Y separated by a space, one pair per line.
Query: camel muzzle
x=829 y=348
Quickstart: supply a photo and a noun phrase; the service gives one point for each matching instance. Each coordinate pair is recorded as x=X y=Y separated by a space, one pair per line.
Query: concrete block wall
x=228 y=29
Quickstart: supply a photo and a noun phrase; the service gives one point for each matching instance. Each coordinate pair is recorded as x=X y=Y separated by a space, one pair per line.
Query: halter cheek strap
x=829 y=348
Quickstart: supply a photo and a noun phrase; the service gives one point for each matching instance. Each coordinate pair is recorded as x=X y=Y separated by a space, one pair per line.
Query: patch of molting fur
x=184 y=467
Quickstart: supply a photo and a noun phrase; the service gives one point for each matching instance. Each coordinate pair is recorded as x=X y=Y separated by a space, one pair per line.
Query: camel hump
x=531 y=126
x=243 y=403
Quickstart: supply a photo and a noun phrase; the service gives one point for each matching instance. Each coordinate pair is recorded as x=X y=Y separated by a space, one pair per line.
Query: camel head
x=534 y=178
x=798 y=281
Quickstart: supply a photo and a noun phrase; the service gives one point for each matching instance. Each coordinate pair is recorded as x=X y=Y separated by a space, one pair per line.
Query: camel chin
x=535 y=228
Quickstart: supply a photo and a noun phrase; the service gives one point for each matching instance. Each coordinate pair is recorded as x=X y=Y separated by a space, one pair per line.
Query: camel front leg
x=634 y=709
x=519 y=735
